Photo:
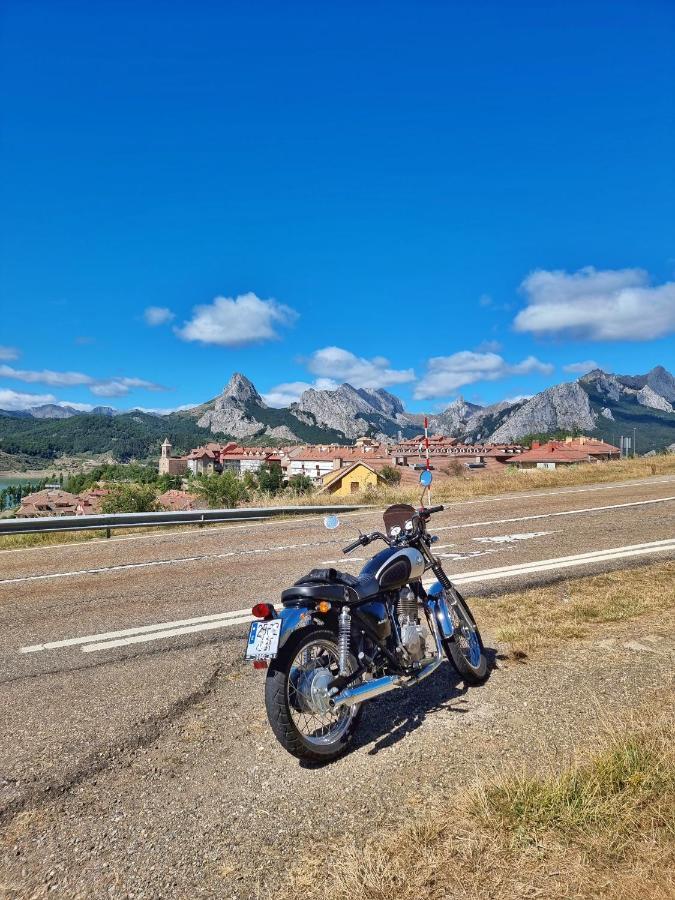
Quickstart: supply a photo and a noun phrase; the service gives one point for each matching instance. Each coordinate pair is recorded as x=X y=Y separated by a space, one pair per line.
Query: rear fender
x=294 y=618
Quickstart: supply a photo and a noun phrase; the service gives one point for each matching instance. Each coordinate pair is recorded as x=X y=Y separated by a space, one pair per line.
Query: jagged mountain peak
x=242 y=390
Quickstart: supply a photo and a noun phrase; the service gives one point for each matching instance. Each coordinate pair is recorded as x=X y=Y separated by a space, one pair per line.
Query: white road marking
x=512 y=538
x=264 y=550
x=162 y=630
x=285 y=521
x=469 y=554
x=160 y=635
x=552 y=515
x=565 y=562
x=127 y=632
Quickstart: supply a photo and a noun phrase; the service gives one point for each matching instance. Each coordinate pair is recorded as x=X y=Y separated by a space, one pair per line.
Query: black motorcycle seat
x=331 y=584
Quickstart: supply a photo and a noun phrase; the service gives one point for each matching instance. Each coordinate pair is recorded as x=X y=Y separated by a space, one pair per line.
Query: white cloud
x=489 y=347
x=165 y=410
x=235 y=321
x=7 y=354
x=120 y=387
x=16 y=400
x=101 y=387
x=581 y=367
x=610 y=305
x=445 y=374
x=46 y=376
x=290 y=391
x=158 y=315
x=341 y=365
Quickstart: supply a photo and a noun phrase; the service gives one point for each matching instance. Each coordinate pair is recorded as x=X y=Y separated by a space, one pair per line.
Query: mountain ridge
x=598 y=403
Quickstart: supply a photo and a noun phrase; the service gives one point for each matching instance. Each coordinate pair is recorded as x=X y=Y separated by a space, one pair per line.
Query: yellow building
x=350 y=480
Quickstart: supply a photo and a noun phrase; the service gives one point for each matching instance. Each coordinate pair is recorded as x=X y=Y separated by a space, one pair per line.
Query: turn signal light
x=262 y=610
x=323 y=606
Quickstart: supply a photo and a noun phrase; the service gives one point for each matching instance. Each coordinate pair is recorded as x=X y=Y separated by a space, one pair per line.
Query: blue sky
x=437 y=198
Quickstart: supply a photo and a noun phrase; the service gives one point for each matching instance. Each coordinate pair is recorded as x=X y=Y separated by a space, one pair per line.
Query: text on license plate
x=263 y=639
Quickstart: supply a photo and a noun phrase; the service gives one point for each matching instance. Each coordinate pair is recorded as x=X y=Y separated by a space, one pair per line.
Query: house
x=442 y=449
x=48 y=503
x=204 y=460
x=351 y=480
x=571 y=451
x=177 y=501
x=171 y=465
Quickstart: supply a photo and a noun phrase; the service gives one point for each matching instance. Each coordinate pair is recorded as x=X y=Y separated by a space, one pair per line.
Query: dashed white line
x=284 y=547
x=218 y=529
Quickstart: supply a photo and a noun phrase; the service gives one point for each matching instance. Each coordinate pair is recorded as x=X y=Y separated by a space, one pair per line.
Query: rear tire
x=282 y=703
x=465 y=649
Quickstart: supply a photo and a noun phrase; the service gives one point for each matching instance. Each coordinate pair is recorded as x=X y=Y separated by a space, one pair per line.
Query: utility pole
x=634 y=435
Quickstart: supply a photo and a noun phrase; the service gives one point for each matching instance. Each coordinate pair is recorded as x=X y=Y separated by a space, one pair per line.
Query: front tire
x=465 y=649
x=296 y=703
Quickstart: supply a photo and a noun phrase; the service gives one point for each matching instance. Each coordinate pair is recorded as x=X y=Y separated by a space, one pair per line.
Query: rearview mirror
x=331 y=522
x=426 y=478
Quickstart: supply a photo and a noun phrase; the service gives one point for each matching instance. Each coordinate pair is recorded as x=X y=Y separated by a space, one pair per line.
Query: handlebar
x=359 y=542
x=364 y=539
x=425 y=512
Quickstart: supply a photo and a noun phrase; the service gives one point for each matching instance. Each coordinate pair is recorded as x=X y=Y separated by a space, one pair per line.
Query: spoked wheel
x=465 y=650
x=297 y=699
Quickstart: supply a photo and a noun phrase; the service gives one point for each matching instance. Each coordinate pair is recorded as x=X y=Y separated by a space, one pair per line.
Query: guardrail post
x=108 y=532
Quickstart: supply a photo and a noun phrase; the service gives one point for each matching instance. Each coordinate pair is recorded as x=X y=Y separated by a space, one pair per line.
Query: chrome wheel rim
x=308 y=701
x=466 y=637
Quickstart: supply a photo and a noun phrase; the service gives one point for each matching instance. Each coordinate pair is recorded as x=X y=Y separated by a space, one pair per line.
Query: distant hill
x=598 y=404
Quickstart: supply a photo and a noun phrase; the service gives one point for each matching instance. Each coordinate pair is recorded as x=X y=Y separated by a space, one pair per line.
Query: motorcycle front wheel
x=296 y=698
x=465 y=648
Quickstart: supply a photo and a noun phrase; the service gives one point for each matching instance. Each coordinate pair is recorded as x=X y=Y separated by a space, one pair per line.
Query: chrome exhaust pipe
x=369 y=689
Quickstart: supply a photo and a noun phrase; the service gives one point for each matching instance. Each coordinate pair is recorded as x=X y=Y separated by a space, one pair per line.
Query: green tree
x=168 y=483
x=270 y=478
x=130 y=498
x=300 y=484
x=391 y=475
x=220 y=491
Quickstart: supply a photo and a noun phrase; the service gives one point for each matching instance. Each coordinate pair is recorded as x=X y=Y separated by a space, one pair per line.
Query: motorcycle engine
x=412 y=636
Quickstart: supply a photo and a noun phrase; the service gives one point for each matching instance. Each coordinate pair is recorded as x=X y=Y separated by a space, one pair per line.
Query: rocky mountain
x=600 y=404
x=356 y=411
x=241 y=412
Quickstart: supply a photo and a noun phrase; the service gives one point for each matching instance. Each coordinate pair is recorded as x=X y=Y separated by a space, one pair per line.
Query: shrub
x=130 y=498
x=391 y=475
x=220 y=491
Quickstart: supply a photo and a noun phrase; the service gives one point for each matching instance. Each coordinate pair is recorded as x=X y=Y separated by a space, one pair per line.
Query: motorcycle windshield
x=397 y=516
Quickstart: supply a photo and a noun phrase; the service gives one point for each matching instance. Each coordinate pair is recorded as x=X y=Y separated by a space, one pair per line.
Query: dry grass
x=542 y=617
x=509 y=479
x=604 y=827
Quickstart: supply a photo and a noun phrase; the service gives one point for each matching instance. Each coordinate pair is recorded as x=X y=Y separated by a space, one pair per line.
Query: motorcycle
x=340 y=639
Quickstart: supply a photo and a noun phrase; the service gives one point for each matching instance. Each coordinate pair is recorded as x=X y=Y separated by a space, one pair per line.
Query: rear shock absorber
x=344 y=635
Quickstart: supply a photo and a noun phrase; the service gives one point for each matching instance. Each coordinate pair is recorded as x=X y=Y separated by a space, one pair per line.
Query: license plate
x=263 y=639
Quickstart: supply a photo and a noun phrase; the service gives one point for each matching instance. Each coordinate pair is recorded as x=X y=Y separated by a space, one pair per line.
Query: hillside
x=599 y=404
x=128 y=436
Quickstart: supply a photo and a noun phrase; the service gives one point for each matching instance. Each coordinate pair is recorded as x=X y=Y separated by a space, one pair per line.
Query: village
x=332 y=470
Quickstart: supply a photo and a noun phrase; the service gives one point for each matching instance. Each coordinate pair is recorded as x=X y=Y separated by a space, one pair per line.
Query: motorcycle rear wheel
x=296 y=706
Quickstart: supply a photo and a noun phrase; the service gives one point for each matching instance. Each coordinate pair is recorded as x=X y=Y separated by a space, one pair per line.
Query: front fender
x=437 y=603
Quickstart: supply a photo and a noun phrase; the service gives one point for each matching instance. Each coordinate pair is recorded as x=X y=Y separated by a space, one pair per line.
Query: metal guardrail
x=111 y=521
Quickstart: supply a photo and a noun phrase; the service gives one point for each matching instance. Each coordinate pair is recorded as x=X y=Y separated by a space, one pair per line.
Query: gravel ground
x=202 y=803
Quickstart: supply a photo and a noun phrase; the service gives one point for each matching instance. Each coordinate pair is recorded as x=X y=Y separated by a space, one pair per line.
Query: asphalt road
x=106 y=646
